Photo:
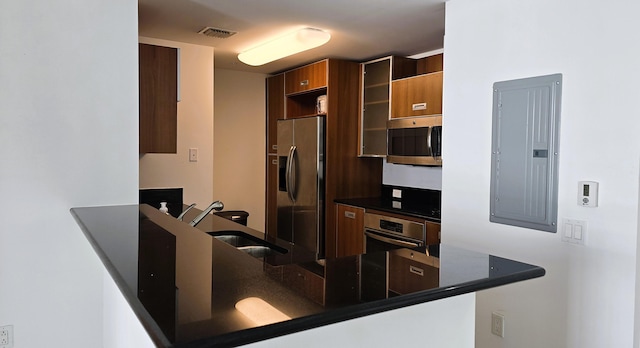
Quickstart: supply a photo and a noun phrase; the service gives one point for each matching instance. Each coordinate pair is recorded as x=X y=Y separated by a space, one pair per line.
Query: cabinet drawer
x=417 y=96
x=306 y=78
x=410 y=271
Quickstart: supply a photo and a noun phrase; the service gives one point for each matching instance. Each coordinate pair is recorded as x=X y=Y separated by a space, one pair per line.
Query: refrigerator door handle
x=290 y=179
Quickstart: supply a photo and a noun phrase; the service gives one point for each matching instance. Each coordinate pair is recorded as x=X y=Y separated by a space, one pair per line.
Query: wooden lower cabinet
x=411 y=271
x=349 y=230
x=433 y=233
x=304 y=282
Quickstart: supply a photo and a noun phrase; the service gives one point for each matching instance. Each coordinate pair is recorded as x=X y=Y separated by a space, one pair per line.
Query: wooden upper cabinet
x=306 y=78
x=417 y=96
x=430 y=64
x=158 y=88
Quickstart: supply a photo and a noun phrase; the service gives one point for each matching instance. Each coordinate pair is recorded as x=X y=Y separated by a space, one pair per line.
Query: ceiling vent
x=216 y=32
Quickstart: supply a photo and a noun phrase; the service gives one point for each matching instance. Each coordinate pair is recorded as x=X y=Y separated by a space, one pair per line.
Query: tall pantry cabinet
x=346 y=175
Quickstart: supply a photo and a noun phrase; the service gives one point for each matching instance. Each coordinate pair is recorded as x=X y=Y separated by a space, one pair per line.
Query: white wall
x=412 y=176
x=68 y=134
x=587 y=299
x=239 y=143
x=445 y=323
x=195 y=129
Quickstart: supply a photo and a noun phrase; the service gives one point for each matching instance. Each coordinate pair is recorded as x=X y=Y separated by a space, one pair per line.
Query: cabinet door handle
x=418 y=106
x=350 y=214
x=304 y=83
x=416 y=270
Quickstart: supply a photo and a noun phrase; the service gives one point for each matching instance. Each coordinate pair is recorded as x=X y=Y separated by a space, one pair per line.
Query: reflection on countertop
x=202 y=291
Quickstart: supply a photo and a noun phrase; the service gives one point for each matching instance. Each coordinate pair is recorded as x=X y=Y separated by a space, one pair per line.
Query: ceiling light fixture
x=289 y=44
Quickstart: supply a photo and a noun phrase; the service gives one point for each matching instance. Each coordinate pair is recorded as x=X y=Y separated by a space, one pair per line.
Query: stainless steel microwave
x=415 y=140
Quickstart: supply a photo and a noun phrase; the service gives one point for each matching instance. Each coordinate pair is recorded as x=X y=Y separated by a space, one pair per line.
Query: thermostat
x=588 y=194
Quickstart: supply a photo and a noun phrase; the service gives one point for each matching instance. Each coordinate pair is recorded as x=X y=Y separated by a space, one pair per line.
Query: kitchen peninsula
x=190 y=289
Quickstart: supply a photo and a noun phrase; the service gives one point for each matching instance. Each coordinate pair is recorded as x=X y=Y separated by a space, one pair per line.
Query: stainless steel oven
x=384 y=233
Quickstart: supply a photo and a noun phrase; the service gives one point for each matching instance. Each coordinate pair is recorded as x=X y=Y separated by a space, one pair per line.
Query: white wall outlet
x=193 y=155
x=6 y=336
x=497 y=324
x=396 y=193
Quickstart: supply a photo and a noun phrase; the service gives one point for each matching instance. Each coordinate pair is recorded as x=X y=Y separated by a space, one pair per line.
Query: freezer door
x=285 y=204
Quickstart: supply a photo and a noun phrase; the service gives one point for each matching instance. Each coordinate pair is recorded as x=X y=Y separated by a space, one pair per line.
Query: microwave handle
x=429 y=141
x=435 y=139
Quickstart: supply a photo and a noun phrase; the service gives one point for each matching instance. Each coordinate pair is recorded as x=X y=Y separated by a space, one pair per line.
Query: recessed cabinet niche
x=158 y=93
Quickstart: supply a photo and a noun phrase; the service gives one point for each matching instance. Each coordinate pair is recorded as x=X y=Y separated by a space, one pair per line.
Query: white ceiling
x=360 y=29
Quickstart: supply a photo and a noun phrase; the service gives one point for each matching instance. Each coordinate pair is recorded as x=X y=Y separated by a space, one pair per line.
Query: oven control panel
x=391 y=226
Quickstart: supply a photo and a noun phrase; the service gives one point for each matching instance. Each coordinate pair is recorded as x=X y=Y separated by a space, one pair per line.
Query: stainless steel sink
x=247 y=243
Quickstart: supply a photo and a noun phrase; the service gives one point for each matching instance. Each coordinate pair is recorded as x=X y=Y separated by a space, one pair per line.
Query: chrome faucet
x=181 y=216
x=217 y=205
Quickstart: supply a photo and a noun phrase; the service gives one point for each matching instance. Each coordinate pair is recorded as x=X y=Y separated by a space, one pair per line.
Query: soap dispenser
x=163 y=208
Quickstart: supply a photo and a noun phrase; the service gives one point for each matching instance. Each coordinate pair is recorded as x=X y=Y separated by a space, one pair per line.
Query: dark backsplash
x=420 y=199
x=173 y=197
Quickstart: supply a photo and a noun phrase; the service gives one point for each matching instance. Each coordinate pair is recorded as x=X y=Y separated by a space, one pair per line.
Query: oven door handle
x=391 y=240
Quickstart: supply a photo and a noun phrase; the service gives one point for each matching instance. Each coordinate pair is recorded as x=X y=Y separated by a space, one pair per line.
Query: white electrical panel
x=588 y=194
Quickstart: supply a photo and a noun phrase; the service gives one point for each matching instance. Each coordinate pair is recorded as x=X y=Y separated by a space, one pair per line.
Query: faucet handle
x=181 y=216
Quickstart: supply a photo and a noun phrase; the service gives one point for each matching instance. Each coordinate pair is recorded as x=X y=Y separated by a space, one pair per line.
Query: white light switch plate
x=573 y=231
x=193 y=155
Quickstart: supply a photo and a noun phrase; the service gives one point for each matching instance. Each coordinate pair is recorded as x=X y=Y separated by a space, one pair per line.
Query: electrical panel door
x=524 y=160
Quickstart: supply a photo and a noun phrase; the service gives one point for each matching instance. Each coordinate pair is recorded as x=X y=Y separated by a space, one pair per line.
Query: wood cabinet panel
x=271 y=214
x=415 y=90
x=430 y=64
x=304 y=282
x=346 y=174
x=433 y=233
x=349 y=230
x=275 y=110
x=306 y=78
x=158 y=87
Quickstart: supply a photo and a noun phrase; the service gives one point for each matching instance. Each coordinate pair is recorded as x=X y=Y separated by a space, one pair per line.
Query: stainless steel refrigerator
x=300 y=183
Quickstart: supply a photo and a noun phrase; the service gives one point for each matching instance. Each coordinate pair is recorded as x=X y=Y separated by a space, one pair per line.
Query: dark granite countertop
x=187 y=287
